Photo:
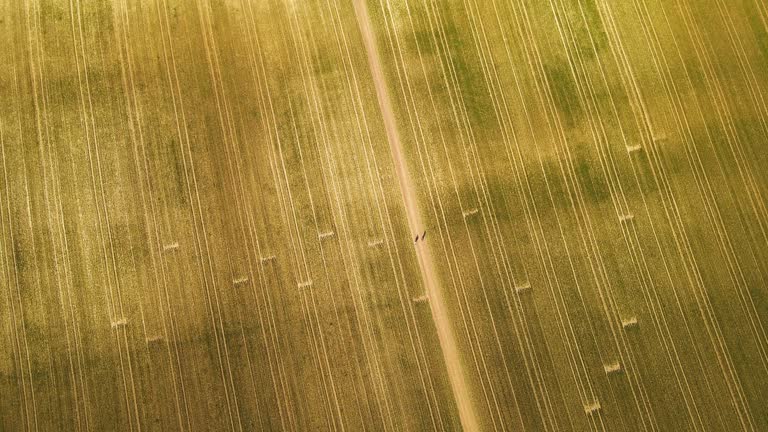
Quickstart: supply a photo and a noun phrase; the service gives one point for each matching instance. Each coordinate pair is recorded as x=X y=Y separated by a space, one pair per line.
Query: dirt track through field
x=445 y=330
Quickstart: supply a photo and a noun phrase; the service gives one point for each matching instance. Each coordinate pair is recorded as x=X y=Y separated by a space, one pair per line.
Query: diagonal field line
x=445 y=331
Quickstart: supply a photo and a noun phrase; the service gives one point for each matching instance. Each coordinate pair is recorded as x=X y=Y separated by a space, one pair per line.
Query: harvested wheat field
x=384 y=215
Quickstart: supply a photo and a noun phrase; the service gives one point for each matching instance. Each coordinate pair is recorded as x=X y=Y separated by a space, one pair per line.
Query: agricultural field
x=383 y=215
